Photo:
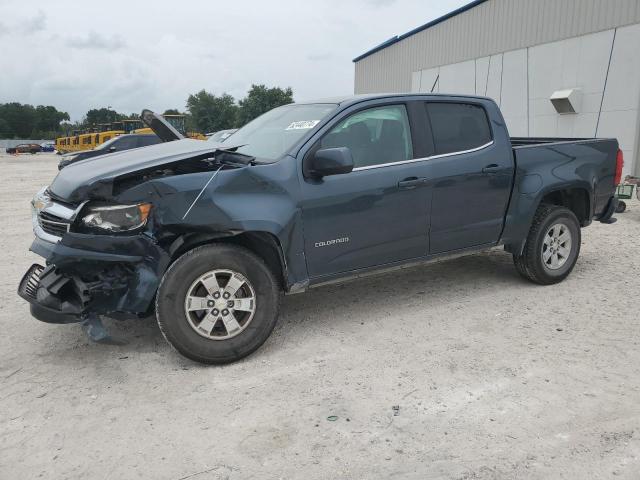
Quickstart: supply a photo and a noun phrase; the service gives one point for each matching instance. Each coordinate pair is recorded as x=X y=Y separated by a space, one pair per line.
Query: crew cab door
x=472 y=170
x=378 y=213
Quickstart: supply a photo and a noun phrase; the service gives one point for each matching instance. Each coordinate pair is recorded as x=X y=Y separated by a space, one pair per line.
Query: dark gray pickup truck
x=209 y=235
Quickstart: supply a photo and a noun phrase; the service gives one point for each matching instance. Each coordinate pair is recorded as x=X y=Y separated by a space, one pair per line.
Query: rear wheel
x=552 y=246
x=621 y=207
x=217 y=303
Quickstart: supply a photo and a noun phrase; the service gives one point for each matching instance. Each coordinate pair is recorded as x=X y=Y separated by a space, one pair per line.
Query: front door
x=376 y=214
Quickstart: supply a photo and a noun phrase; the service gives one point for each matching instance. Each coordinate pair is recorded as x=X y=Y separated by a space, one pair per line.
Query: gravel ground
x=493 y=377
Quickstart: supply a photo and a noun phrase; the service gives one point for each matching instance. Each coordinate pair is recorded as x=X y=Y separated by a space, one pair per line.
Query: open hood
x=94 y=178
x=160 y=126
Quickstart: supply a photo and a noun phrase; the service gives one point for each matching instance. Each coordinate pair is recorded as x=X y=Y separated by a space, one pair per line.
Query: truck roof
x=348 y=99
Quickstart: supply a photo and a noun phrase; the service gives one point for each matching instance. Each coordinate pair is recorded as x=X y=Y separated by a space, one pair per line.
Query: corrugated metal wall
x=492 y=27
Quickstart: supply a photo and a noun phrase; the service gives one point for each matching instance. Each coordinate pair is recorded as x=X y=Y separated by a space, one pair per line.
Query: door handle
x=412 y=182
x=493 y=168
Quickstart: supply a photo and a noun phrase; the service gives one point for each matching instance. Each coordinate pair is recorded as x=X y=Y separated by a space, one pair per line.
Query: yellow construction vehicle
x=89 y=140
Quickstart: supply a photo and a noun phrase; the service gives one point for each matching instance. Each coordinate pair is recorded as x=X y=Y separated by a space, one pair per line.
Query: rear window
x=458 y=127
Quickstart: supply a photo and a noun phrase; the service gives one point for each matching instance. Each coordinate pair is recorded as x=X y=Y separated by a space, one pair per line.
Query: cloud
x=95 y=41
x=36 y=23
x=318 y=57
x=25 y=26
x=90 y=57
x=381 y=3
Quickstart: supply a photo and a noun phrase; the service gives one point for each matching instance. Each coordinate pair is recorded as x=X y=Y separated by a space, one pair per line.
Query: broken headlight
x=117 y=218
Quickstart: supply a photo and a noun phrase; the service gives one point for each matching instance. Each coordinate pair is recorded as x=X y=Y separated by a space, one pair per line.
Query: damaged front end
x=108 y=228
x=57 y=297
x=96 y=262
x=85 y=273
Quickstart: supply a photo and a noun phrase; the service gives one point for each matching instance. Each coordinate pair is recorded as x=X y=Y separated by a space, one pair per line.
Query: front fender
x=214 y=204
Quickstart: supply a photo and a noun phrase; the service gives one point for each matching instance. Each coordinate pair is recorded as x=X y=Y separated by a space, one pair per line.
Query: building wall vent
x=567 y=101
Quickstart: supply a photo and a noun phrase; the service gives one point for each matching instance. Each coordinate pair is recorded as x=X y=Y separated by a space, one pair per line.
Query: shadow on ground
x=335 y=306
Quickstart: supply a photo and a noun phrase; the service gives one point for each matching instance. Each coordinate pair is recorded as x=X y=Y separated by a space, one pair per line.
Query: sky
x=140 y=54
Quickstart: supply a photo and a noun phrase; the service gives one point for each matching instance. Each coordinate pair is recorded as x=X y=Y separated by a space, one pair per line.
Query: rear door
x=471 y=174
x=378 y=213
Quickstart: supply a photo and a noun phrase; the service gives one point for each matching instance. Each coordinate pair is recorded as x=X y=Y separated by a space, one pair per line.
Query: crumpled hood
x=94 y=177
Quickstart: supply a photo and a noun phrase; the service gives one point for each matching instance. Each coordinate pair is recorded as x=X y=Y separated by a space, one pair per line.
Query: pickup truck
x=208 y=236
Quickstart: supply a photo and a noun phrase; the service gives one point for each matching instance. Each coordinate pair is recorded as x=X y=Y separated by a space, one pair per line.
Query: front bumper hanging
x=53 y=298
x=93 y=275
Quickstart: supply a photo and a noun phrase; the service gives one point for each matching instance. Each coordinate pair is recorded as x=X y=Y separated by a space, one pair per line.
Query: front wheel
x=552 y=246
x=217 y=303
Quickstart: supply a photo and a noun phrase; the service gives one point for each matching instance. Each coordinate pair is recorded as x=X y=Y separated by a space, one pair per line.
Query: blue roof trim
x=432 y=23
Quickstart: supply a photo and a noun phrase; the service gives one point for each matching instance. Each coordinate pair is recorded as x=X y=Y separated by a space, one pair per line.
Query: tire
x=548 y=257
x=621 y=207
x=183 y=329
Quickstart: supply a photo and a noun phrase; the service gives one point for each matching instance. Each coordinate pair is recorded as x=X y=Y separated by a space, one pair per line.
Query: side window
x=125 y=143
x=458 y=126
x=146 y=140
x=374 y=136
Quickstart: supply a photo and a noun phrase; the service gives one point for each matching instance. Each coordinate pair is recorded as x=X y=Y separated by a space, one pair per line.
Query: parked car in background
x=221 y=135
x=116 y=144
x=209 y=235
x=32 y=148
x=48 y=147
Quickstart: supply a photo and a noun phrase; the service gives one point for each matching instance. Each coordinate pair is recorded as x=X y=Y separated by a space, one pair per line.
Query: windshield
x=220 y=136
x=270 y=135
x=106 y=144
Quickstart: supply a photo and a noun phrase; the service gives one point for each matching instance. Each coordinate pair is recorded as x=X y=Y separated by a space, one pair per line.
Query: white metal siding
x=489 y=28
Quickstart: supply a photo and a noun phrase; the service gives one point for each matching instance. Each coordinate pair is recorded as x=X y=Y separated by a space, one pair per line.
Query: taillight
x=619 y=165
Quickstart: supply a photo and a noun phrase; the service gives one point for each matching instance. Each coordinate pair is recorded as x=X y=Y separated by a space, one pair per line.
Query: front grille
x=52 y=224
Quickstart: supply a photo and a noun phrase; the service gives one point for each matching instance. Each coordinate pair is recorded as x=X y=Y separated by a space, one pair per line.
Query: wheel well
x=575 y=199
x=263 y=244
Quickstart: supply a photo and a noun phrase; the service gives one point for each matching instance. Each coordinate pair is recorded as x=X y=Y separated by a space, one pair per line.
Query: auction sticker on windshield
x=302 y=125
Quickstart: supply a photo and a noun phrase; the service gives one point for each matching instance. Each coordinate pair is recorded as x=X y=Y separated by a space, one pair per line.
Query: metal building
x=557 y=68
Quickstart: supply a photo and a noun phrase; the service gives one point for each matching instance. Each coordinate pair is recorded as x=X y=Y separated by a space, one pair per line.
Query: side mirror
x=112 y=149
x=330 y=161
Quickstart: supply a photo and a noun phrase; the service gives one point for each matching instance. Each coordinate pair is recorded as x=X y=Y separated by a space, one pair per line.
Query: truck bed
x=527 y=141
x=583 y=163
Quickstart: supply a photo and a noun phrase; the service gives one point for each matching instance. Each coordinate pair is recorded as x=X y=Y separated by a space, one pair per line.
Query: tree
x=21 y=118
x=261 y=99
x=49 y=118
x=25 y=121
x=96 y=116
x=210 y=113
x=172 y=111
x=5 y=129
